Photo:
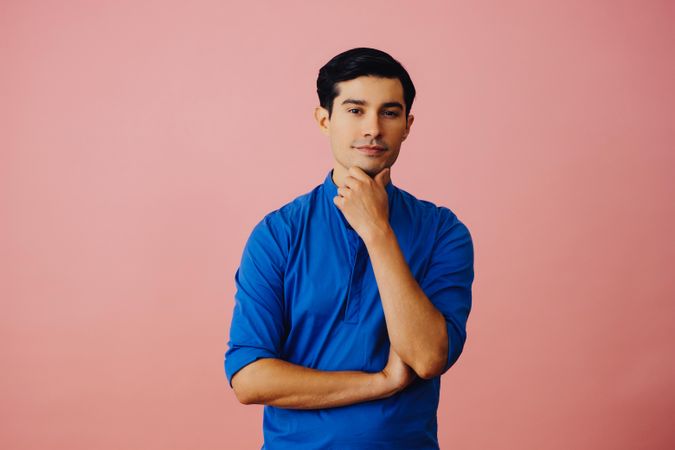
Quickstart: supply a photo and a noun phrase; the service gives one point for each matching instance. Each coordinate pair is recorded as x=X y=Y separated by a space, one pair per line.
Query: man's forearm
x=276 y=382
x=417 y=330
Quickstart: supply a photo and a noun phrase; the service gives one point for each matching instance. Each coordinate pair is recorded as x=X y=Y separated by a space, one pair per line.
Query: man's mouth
x=370 y=149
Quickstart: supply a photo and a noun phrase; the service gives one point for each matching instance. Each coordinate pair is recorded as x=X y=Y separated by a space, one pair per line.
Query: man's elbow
x=250 y=382
x=239 y=390
x=431 y=368
x=242 y=390
x=433 y=364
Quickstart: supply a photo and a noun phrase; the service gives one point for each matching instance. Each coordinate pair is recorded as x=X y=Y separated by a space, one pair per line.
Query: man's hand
x=363 y=201
x=397 y=373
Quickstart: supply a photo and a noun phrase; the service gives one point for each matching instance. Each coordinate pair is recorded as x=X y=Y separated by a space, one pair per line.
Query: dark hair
x=361 y=61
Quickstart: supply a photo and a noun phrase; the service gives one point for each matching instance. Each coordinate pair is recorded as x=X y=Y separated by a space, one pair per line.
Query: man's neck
x=339 y=175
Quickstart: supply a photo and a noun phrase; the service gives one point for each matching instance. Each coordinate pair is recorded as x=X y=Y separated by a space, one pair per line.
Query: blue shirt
x=306 y=293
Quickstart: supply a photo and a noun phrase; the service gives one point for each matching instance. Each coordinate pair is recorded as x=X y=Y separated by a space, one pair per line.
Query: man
x=352 y=299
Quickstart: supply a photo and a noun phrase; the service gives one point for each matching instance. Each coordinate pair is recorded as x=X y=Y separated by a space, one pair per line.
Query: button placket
x=353 y=303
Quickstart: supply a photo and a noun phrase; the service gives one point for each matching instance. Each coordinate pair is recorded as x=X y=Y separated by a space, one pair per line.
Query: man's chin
x=373 y=172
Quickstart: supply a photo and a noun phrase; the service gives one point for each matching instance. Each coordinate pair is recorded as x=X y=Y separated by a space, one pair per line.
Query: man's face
x=369 y=111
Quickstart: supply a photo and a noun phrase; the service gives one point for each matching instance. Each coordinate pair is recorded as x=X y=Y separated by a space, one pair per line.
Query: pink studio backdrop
x=141 y=141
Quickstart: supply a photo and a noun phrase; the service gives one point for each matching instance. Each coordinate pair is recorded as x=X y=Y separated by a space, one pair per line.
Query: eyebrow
x=364 y=103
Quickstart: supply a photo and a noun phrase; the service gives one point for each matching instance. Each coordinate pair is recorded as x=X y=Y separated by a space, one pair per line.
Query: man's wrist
x=378 y=233
x=383 y=385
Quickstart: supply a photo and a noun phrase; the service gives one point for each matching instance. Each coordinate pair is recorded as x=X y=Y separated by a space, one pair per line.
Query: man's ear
x=321 y=117
x=411 y=119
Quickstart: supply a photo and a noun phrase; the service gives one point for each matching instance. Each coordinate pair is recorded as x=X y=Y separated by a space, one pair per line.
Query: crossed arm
x=272 y=381
x=300 y=387
x=418 y=333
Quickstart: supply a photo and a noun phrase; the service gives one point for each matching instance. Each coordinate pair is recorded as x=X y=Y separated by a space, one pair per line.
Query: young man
x=352 y=299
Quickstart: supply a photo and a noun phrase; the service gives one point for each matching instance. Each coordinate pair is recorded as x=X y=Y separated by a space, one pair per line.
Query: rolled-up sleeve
x=448 y=279
x=257 y=326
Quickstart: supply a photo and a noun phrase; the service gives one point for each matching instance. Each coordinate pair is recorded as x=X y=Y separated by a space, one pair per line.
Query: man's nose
x=371 y=125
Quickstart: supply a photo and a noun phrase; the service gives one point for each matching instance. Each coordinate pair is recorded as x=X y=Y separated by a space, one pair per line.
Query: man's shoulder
x=283 y=222
x=290 y=212
x=449 y=238
x=430 y=213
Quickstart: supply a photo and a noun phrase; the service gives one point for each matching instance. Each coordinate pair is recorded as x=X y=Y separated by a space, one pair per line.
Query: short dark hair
x=357 y=62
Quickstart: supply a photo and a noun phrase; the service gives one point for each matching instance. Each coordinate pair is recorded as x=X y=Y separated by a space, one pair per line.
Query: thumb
x=383 y=177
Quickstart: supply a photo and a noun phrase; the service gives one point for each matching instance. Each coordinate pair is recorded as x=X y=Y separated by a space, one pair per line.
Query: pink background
x=141 y=141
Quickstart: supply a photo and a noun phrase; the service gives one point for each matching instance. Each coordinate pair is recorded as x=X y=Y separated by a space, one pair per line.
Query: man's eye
x=391 y=113
x=354 y=109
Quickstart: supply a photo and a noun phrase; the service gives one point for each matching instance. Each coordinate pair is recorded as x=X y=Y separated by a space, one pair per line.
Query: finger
x=351 y=182
x=338 y=201
x=358 y=173
x=343 y=191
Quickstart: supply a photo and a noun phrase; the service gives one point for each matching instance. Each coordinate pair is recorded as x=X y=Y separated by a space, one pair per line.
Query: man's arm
x=416 y=328
x=426 y=323
x=275 y=382
x=272 y=381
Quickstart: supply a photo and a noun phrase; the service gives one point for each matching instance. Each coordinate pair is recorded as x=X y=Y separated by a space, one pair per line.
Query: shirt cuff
x=238 y=357
x=455 y=345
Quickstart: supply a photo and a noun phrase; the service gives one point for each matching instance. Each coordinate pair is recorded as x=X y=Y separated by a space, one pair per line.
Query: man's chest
x=329 y=277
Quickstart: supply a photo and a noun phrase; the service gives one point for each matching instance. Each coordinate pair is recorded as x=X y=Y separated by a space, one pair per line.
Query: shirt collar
x=330 y=189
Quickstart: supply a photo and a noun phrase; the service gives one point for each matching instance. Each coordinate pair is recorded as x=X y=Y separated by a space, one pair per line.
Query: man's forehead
x=385 y=104
x=367 y=90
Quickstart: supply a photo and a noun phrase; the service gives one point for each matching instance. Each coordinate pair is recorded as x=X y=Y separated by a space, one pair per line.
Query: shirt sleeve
x=448 y=279
x=257 y=326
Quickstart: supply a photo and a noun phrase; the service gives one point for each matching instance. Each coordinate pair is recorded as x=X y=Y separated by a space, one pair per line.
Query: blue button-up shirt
x=306 y=293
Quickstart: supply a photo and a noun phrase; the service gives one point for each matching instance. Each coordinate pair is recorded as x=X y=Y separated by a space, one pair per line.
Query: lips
x=371 y=149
